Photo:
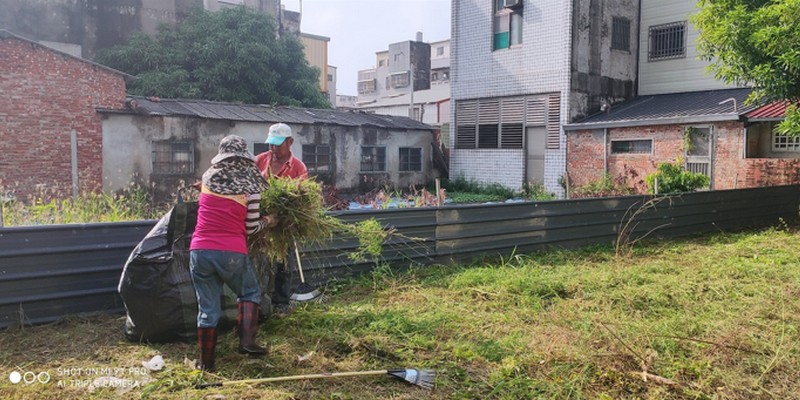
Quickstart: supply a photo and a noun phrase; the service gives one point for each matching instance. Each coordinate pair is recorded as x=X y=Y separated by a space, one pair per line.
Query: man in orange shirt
x=280 y=162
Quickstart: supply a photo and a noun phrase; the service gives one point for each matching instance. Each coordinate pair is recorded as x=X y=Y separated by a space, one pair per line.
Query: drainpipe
x=605 y=150
x=638 y=47
x=73 y=142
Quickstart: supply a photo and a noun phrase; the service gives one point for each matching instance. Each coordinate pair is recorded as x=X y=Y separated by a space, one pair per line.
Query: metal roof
x=264 y=113
x=771 y=112
x=670 y=108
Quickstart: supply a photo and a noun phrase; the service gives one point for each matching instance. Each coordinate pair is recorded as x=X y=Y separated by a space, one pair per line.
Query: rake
x=420 y=377
x=304 y=292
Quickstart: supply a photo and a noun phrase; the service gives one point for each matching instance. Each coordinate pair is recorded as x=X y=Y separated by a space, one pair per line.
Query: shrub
x=673 y=178
x=603 y=187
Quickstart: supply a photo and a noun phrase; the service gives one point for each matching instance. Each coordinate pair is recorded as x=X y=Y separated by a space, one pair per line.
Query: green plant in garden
x=131 y=204
x=606 y=186
x=673 y=178
x=754 y=43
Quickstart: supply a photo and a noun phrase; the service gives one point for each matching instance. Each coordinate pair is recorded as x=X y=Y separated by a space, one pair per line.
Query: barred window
x=410 y=159
x=373 y=159
x=621 y=34
x=641 y=146
x=317 y=158
x=173 y=157
x=667 y=41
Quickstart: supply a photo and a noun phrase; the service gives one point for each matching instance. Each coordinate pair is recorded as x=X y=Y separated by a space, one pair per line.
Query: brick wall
x=585 y=154
x=44 y=96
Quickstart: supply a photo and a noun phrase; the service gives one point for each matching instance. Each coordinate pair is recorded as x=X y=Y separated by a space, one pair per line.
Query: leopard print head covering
x=233 y=170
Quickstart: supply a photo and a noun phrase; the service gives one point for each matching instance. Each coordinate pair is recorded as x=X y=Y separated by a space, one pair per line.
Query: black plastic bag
x=156 y=285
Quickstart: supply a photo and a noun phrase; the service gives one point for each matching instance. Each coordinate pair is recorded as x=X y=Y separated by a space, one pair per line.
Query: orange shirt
x=292 y=168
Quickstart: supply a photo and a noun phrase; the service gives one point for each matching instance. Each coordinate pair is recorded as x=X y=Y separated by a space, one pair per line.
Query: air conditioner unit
x=512 y=3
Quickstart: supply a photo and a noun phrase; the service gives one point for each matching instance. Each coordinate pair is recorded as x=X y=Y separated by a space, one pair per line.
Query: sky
x=359 y=28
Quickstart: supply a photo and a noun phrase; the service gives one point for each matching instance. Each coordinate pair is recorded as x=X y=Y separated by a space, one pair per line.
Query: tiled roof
x=671 y=108
x=771 y=111
x=263 y=113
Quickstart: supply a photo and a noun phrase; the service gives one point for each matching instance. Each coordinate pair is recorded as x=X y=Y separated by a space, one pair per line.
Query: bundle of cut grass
x=298 y=204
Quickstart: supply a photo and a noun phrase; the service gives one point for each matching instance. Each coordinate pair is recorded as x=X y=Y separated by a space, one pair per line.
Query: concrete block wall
x=541 y=64
x=46 y=95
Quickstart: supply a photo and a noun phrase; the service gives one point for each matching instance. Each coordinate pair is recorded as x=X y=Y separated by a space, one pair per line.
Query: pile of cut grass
x=710 y=318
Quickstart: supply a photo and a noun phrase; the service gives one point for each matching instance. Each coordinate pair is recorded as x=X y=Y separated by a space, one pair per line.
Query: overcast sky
x=360 y=28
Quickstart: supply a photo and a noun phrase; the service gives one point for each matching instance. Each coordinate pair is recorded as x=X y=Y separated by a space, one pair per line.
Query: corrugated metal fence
x=47 y=272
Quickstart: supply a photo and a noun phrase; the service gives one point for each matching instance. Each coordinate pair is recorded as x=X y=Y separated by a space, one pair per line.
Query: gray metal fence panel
x=50 y=271
x=47 y=272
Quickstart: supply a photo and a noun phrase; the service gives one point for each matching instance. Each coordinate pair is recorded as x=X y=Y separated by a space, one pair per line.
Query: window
x=373 y=159
x=330 y=77
x=410 y=159
x=398 y=57
x=785 y=143
x=440 y=51
x=173 y=157
x=491 y=123
x=367 y=86
x=667 y=41
x=621 y=34
x=435 y=76
x=399 y=79
x=382 y=63
x=641 y=146
x=507 y=26
x=317 y=158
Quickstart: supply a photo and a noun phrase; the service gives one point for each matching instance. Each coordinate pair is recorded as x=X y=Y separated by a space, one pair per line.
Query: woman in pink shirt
x=228 y=212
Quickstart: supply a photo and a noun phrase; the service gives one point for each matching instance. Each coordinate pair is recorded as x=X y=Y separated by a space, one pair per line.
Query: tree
x=230 y=55
x=756 y=43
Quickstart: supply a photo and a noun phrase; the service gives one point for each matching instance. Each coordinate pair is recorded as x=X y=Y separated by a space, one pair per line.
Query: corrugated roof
x=771 y=111
x=671 y=108
x=263 y=113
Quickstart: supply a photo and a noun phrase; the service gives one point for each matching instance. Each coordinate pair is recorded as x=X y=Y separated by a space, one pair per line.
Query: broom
x=423 y=378
x=304 y=292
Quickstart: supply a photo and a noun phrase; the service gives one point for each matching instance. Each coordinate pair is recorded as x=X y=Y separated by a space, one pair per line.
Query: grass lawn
x=714 y=317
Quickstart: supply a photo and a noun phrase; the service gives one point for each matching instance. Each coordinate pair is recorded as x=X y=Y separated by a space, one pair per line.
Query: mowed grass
x=713 y=317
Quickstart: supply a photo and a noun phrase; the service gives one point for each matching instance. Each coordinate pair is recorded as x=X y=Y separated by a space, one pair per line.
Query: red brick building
x=50 y=132
x=711 y=132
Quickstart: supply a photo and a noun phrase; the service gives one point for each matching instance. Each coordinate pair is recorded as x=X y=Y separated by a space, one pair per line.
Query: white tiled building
x=520 y=69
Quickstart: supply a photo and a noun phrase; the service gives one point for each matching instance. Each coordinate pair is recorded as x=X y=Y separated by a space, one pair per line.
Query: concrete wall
x=98 y=24
x=45 y=96
x=675 y=75
x=599 y=73
x=127 y=150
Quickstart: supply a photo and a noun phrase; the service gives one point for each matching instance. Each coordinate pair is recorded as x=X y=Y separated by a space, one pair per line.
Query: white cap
x=278 y=133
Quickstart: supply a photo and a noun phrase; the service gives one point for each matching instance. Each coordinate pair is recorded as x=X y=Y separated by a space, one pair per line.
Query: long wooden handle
x=299 y=267
x=294 y=378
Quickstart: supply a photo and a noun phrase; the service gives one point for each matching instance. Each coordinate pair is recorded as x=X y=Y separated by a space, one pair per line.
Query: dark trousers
x=282 y=281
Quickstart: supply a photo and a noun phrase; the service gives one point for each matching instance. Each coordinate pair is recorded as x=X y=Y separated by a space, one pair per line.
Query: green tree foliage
x=230 y=55
x=672 y=178
x=755 y=42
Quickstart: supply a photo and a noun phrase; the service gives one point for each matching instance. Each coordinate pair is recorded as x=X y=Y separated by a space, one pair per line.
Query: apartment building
x=681 y=114
x=520 y=69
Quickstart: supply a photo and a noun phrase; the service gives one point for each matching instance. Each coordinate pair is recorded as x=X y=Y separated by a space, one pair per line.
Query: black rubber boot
x=248 y=327
x=207 y=339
